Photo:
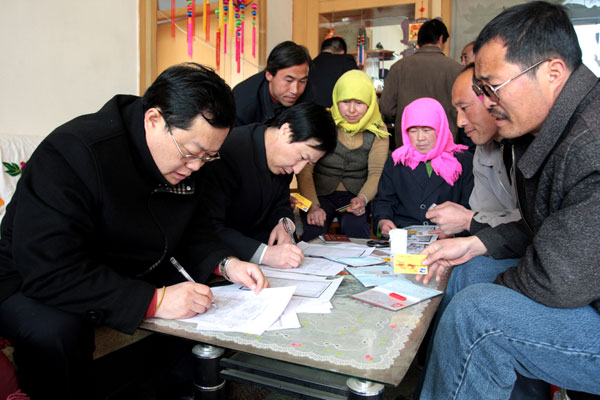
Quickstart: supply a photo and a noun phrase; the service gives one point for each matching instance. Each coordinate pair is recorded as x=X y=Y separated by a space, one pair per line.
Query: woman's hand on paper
x=385 y=226
x=316 y=216
x=446 y=253
x=246 y=274
x=183 y=300
x=285 y=255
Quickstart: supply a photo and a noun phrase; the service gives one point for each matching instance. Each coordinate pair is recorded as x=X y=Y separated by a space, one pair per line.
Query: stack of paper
x=239 y=309
x=306 y=289
x=312 y=294
x=335 y=250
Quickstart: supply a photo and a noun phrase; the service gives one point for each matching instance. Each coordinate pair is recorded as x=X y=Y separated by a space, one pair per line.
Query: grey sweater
x=558 y=185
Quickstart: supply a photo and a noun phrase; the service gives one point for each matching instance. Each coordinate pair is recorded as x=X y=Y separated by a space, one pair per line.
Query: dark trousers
x=53 y=349
x=54 y=352
x=351 y=225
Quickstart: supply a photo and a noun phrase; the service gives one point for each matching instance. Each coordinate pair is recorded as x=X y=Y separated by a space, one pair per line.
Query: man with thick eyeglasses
x=103 y=205
x=189 y=157
x=490 y=91
x=540 y=317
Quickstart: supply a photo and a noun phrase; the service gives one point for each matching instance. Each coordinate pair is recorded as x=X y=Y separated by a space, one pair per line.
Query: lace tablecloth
x=354 y=334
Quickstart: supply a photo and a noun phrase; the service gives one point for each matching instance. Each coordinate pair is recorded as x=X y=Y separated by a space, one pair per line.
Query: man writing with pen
x=247 y=191
x=103 y=204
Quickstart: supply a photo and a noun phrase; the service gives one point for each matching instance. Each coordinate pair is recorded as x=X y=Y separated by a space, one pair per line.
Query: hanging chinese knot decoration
x=239 y=8
x=173 y=19
x=254 y=11
x=360 y=46
x=191 y=14
x=218 y=42
x=230 y=16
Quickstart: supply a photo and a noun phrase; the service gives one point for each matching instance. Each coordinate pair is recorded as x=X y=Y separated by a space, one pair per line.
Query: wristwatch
x=223 y=264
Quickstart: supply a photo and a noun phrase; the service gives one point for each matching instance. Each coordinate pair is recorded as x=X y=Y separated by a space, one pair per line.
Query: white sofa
x=15 y=151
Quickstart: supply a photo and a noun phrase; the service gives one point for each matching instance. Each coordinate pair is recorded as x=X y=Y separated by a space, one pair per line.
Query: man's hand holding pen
x=282 y=251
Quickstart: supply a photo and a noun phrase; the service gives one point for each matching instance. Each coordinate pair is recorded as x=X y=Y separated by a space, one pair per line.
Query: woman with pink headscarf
x=428 y=169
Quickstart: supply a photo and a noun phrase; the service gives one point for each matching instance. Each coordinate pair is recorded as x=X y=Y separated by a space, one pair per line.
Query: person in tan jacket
x=426 y=73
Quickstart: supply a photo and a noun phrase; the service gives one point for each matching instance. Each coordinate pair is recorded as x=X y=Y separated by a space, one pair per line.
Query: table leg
x=208 y=385
x=359 y=389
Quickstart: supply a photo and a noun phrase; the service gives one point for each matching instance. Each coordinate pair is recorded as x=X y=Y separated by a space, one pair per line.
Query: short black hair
x=309 y=121
x=335 y=43
x=430 y=32
x=286 y=54
x=533 y=32
x=184 y=91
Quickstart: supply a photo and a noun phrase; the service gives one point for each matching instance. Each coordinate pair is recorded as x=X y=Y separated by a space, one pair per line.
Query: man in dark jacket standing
x=541 y=316
x=327 y=68
x=103 y=204
x=283 y=83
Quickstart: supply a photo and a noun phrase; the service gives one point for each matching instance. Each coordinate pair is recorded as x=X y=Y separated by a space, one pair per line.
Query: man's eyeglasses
x=192 y=157
x=492 y=91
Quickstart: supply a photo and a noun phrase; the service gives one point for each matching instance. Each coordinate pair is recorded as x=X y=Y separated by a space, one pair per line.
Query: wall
x=470 y=16
x=63 y=58
x=279 y=22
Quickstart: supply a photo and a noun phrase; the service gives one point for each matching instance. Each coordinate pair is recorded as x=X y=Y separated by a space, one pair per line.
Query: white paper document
x=305 y=298
x=375 y=275
x=335 y=250
x=308 y=289
x=306 y=286
x=287 y=320
x=313 y=266
x=359 y=261
x=396 y=294
x=240 y=310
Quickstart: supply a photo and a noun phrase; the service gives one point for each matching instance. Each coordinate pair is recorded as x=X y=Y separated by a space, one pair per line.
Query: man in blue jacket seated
x=538 y=316
x=283 y=83
x=103 y=204
x=247 y=190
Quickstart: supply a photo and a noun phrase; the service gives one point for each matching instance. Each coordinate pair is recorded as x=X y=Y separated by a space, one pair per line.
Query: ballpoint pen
x=286 y=226
x=183 y=272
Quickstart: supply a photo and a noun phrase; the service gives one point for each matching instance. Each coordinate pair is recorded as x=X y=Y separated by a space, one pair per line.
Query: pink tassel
x=254 y=42
x=173 y=19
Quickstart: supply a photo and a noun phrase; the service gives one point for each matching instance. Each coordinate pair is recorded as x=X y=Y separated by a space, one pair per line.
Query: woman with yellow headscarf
x=349 y=175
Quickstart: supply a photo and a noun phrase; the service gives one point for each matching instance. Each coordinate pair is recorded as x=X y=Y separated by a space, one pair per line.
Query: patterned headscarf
x=357 y=85
x=429 y=112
